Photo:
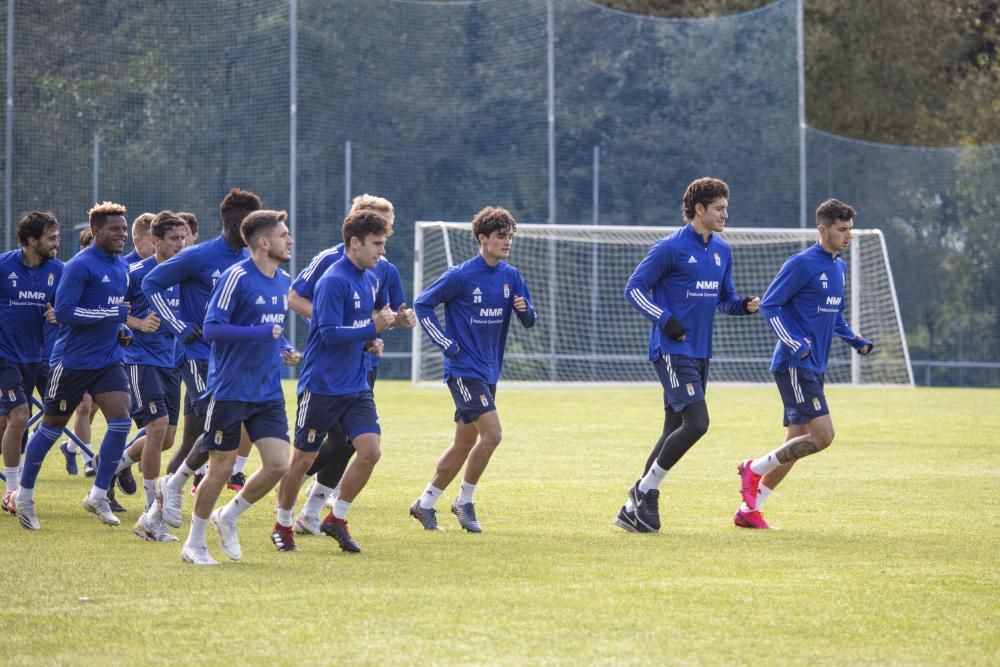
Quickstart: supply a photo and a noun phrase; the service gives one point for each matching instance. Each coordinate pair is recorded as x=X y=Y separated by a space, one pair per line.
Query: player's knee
x=696 y=419
x=370 y=455
x=17 y=419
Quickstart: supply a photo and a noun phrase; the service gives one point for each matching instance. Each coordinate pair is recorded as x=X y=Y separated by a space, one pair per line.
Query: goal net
x=588 y=333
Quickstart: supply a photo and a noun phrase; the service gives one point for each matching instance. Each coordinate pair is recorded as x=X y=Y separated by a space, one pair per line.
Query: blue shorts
x=473 y=398
x=156 y=393
x=683 y=378
x=17 y=382
x=263 y=419
x=43 y=378
x=802 y=395
x=194 y=372
x=68 y=385
x=355 y=414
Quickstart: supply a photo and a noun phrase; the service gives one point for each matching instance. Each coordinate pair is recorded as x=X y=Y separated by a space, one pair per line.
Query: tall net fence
x=446 y=107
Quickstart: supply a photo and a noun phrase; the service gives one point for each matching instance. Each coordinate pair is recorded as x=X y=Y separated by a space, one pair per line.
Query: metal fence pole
x=293 y=154
x=8 y=171
x=551 y=67
x=347 y=178
x=801 y=57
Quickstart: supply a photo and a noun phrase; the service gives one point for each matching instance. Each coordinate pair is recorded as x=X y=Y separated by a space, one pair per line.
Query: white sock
x=125 y=462
x=177 y=481
x=25 y=494
x=766 y=464
x=241 y=463
x=318 y=493
x=235 y=507
x=762 y=493
x=12 y=475
x=652 y=479
x=97 y=494
x=203 y=470
x=87 y=458
x=340 y=508
x=430 y=497
x=465 y=493
x=71 y=447
x=196 y=538
x=285 y=517
x=149 y=487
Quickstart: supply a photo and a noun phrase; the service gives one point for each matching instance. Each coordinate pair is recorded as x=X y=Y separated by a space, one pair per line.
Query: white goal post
x=588 y=333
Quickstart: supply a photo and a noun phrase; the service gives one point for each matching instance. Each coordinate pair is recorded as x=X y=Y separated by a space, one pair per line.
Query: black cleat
x=283 y=538
x=236 y=482
x=115 y=505
x=647 y=507
x=126 y=481
x=466 y=513
x=627 y=521
x=337 y=529
x=90 y=468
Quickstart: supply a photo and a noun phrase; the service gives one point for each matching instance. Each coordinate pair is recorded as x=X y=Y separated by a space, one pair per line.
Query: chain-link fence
x=561 y=110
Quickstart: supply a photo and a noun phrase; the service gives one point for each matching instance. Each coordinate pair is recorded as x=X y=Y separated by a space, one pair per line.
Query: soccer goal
x=587 y=333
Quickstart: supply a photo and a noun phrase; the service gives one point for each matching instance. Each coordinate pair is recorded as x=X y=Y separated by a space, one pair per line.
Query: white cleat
x=228 y=535
x=25 y=510
x=102 y=508
x=152 y=529
x=307 y=524
x=170 y=502
x=197 y=555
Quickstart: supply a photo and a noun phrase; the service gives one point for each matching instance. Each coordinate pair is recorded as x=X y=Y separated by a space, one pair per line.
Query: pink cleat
x=750 y=481
x=750 y=520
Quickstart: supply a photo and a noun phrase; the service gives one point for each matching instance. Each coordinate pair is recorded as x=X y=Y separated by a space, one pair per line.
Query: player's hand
x=751 y=304
x=805 y=350
x=290 y=356
x=276 y=331
x=376 y=347
x=124 y=337
x=405 y=318
x=50 y=314
x=867 y=347
x=148 y=324
x=520 y=304
x=674 y=329
x=195 y=333
x=383 y=319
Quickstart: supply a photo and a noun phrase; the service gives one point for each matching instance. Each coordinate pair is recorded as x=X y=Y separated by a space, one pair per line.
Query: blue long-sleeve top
x=160 y=348
x=688 y=278
x=334 y=361
x=90 y=308
x=804 y=306
x=196 y=270
x=246 y=370
x=24 y=294
x=478 y=301
x=389 y=286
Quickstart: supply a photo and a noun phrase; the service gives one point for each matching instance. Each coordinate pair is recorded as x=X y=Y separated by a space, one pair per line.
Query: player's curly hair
x=34 y=224
x=491 y=219
x=98 y=215
x=236 y=205
x=702 y=191
x=365 y=222
x=833 y=210
x=374 y=203
x=164 y=221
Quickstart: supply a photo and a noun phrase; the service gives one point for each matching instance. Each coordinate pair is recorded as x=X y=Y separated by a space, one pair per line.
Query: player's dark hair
x=258 y=223
x=191 y=219
x=86 y=237
x=365 y=222
x=492 y=219
x=702 y=191
x=164 y=222
x=99 y=214
x=34 y=224
x=833 y=210
x=236 y=205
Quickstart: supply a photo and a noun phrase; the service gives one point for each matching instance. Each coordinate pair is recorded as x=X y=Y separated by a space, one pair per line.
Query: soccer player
x=336 y=451
x=333 y=387
x=192 y=223
x=244 y=324
x=142 y=239
x=804 y=306
x=30 y=277
x=196 y=271
x=479 y=297
x=91 y=310
x=678 y=286
x=152 y=363
x=85 y=411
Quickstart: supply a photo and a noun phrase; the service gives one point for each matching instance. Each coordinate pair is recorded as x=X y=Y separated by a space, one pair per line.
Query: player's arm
x=179 y=268
x=440 y=291
x=148 y=324
x=68 y=309
x=639 y=290
x=732 y=303
x=299 y=304
x=522 y=304
x=218 y=319
x=843 y=330
x=792 y=276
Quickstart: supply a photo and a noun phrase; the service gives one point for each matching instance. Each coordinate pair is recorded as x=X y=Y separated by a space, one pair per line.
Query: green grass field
x=888 y=550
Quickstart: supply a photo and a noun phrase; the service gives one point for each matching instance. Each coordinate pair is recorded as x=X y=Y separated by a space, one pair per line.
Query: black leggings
x=680 y=431
x=334 y=455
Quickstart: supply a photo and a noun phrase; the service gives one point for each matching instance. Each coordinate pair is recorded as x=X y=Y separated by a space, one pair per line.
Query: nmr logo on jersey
x=272 y=318
x=833 y=300
x=31 y=295
x=707 y=284
x=491 y=312
x=116 y=300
